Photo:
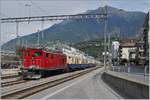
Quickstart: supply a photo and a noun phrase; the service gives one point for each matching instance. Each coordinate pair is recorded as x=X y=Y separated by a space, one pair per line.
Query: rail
x=10 y=83
x=9 y=76
x=25 y=92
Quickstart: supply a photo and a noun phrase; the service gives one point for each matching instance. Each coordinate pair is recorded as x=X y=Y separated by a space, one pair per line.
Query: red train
x=39 y=61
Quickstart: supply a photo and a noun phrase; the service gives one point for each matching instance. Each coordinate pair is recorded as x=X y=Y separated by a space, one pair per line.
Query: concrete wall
x=127 y=88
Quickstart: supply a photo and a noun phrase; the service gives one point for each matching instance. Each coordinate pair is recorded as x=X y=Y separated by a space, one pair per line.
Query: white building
x=127 y=50
x=115 y=49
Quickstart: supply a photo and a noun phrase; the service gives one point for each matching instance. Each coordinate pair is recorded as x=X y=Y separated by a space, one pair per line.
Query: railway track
x=9 y=77
x=22 y=93
x=10 y=83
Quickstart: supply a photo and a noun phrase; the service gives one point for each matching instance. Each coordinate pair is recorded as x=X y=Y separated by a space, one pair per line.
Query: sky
x=20 y=8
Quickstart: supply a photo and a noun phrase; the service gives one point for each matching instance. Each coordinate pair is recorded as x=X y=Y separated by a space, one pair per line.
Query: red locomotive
x=39 y=61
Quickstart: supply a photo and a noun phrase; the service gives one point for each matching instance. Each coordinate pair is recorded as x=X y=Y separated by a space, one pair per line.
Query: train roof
x=44 y=49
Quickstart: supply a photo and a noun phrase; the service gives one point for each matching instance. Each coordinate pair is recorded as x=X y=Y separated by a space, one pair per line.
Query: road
x=89 y=86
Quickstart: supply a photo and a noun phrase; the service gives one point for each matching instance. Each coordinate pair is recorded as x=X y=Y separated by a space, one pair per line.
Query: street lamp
x=105 y=55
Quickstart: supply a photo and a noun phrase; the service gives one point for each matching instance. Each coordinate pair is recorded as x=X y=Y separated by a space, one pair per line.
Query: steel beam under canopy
x=50 y=18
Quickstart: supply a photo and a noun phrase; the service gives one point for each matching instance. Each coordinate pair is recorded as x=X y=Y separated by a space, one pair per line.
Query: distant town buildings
x=142 y=56
x=127 y=51
x=140 y=52
x=145 y=38
x=134 y=51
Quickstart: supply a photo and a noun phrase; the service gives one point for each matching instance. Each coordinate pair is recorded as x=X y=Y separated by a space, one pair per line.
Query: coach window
x=46 y=55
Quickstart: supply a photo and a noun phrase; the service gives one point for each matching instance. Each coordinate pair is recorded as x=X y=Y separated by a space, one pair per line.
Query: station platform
x=9 y=72
x=136 y=77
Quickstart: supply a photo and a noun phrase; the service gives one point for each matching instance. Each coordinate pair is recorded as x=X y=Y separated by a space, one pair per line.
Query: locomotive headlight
x=32 y=66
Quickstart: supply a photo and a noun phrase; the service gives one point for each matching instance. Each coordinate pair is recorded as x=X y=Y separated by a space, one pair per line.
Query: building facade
x=142 y=52
x=127 y=51
x=140 y=59
x=145 y=38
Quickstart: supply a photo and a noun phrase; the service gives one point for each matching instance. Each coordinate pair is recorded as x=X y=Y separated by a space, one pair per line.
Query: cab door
x=37 y=59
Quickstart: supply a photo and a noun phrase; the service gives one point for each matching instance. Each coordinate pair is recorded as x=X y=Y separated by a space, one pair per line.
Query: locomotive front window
x=38 y=54
x=28 y=53
x=46 y=55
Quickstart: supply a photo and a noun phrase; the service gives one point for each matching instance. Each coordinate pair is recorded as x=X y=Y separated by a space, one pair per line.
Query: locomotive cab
x=42 y=62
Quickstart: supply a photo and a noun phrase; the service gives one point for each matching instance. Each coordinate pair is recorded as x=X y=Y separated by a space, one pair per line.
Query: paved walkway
x=88 y=86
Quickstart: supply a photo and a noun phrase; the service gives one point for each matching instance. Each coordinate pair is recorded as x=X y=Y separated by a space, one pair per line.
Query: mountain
x=94 y=47
x=120 y=23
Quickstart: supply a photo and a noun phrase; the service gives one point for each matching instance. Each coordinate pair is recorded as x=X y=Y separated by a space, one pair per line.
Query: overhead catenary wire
x=58 y=17
x=40 y=8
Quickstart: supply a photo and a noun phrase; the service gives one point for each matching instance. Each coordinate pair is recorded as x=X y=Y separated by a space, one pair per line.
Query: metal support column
x=26 y=44
x=42 y=28
x=38 y=42
x=18 y=43
x=105 y=35
x=17 y=34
